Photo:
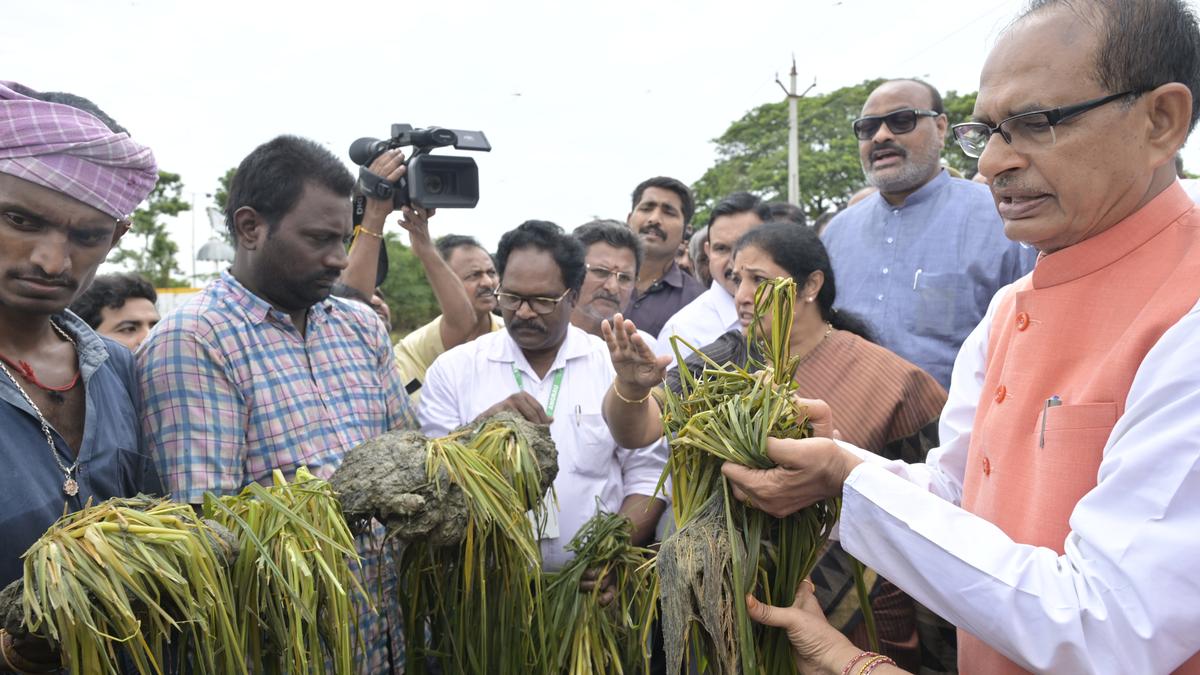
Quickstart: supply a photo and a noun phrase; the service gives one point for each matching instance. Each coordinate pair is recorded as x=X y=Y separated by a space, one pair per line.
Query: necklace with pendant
x=70 y=487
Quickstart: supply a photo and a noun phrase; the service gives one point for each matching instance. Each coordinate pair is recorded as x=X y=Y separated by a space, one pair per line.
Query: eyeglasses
x=1027 y=130
x=602 y=274
x=539 y=304
x=900 y=122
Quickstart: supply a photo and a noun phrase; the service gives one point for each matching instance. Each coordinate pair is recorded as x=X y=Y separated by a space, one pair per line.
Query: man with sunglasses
x=1056 y=524
x=612 y=257
x=920 y=259
x=549 y=372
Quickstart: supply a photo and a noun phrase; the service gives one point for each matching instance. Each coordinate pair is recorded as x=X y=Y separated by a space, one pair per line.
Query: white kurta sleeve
x=642 y=468
x=1124 y=598
x=439 y=408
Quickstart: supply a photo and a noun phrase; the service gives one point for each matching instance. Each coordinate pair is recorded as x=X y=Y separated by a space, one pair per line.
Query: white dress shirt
x=472 y=377
x=700 y=322
x=1125 y=596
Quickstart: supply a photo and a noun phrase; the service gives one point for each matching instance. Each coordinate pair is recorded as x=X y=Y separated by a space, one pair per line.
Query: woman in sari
x=880 y=401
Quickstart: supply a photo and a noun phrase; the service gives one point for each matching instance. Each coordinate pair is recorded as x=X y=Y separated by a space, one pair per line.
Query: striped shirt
x=232 y=391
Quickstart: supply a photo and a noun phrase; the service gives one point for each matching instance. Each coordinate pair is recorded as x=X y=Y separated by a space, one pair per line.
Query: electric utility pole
x=793 y=134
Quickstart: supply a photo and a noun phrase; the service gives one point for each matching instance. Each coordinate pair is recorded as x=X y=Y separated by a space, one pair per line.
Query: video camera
x=430 y=181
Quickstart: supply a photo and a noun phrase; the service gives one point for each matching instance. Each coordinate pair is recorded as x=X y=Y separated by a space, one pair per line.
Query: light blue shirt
x=921 y=275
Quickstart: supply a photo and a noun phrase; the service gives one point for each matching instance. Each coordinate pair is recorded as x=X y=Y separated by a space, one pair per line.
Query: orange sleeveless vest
x=1077 y=328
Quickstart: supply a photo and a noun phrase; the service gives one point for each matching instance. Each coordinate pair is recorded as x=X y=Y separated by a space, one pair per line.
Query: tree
x=408 y=293
x=752 y=153
x=221 y=194
x=221 y=198
x=958 y=109
x=155 y=257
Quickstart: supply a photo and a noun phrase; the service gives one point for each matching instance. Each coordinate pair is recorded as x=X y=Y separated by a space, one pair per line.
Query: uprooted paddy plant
x=467 y=506
x=141 y=579
x=293 y=579
x=724 y=549
x=586 y=635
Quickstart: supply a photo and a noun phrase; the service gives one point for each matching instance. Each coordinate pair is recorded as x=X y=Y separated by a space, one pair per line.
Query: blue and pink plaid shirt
x=232 y=391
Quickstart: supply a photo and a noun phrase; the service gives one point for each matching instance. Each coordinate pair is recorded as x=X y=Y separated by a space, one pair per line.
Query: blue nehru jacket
x=922 y=274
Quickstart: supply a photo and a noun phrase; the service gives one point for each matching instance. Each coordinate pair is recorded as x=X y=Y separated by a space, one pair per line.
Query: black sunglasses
x=900 y=122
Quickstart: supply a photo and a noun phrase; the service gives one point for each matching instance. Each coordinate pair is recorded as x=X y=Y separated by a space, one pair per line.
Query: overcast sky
x=580 y=100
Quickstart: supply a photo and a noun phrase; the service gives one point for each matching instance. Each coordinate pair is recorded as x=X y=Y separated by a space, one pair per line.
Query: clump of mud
x=694 y=568
x=12 y=613
x=385 y=478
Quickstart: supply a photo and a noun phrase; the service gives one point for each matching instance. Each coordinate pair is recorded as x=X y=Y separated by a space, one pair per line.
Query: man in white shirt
x=713 y=314
x=550 y=372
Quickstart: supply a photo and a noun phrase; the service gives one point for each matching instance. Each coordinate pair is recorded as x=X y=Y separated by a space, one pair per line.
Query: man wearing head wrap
x=69 y=179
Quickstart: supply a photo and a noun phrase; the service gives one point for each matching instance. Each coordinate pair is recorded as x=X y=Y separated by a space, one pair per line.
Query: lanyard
x=552 y=402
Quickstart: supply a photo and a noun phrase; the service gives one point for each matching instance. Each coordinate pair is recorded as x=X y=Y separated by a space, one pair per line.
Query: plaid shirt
x=232 y=391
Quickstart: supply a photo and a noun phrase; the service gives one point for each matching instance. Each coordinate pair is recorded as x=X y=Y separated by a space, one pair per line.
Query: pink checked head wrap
x=71 y=151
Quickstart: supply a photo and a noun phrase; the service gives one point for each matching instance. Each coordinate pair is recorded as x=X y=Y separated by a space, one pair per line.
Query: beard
x=913 y=172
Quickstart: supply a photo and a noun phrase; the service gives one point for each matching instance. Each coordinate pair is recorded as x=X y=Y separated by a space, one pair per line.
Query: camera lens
x=433 y=185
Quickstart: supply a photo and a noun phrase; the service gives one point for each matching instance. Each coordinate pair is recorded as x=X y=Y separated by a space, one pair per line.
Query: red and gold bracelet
x=875 y=662
x=860 y=657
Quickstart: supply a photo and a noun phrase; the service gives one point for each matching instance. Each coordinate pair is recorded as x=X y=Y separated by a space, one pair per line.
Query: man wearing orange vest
x=1058 y=526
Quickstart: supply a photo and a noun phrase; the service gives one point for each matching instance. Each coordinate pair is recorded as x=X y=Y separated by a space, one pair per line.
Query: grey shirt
x=112 y=462
x=650 y=310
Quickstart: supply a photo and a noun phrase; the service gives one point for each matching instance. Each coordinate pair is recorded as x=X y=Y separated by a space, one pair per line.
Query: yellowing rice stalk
x=465 y=506
x=140 y=578
x=293 y=578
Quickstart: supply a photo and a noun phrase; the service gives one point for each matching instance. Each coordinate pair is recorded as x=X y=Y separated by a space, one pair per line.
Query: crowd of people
x=1000 y=373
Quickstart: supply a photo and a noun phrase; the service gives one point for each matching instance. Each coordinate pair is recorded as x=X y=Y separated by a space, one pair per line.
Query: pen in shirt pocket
x=578 y=414
x=916 y=277
x=1052 y=402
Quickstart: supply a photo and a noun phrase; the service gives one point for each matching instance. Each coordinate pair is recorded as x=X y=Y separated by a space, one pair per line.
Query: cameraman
x=458 y=314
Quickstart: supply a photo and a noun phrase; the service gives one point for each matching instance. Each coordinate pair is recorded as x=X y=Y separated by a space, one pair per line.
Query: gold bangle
x=359 y=229
x=629 y=400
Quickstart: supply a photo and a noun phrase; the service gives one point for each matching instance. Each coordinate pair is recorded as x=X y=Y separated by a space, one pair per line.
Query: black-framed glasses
x=539 y=304
x=899 y=121
x=1034 y=129
x=602 y=275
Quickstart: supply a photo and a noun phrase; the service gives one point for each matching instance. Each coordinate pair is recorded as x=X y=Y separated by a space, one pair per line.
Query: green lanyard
x=552 y=402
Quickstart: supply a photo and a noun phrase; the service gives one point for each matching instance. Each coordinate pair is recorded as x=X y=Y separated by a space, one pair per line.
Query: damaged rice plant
x=587 y=637
x=465 y=506
x=138 y=579
x=724 y=549
x=293 y=579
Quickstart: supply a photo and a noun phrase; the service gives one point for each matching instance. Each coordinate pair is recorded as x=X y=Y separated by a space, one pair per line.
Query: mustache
x=653 y=228
x=485 y=292
x=40 y=276
x=531 y=325
x=605 y=295
x=887 y=145
x=1007 y=180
